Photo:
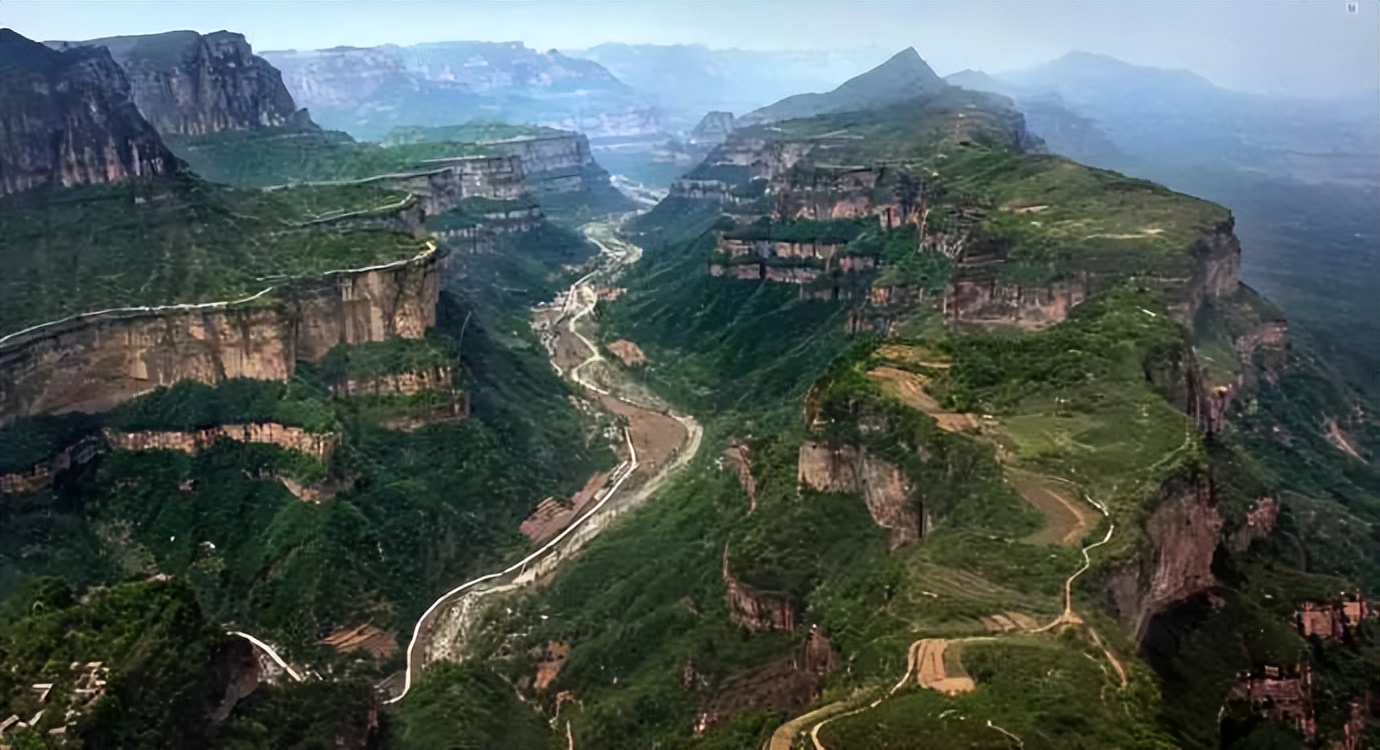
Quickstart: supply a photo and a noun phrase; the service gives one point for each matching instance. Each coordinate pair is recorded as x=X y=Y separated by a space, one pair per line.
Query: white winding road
x=568 y=540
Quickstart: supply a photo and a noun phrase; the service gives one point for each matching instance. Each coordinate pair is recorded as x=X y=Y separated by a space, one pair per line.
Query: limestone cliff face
x=1184 y=531
x=41 y=475
x=989 y=302
x=185 y=83
x=554 y=163
x=69 y=119
x=446 y=182
x=95 y=361
x=883 y=487
x=397 y=384
x=753 y=609
x=318 y=445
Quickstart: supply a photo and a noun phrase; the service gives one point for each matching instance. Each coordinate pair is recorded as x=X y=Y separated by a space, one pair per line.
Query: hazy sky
x=1307 y=47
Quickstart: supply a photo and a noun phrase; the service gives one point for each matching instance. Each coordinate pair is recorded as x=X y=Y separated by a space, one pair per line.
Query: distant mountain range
x=366 y=91
x=688 y=80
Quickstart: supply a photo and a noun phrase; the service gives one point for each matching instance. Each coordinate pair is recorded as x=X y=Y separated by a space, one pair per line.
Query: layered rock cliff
x=884 y=488
x=95 y=361
x=318 y=445
x=1183 y=531
x=753 y=609
x=185 y=83
x=69 y=119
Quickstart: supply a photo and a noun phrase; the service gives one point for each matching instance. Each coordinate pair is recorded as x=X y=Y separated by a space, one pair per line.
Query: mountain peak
x=905 y=75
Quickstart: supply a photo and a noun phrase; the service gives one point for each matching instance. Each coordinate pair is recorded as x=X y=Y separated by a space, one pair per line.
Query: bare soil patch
x=1338 y=439
x=630 y=354
x=379 y=643
x=553 y=658
x=927 y=658
x=1066 y=520
x=910 y=388
x=654 y=435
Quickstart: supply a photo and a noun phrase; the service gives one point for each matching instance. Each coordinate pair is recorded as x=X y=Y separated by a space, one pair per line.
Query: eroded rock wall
x=185 y=83
x=318 y=445
x=69 y=119
x=885 y=489
x=1183 y=531
x=96 y=361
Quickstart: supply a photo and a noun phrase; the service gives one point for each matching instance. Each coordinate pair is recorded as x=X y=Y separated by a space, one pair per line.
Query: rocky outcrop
x=753 y=609
x=738 y=459
x=1260 y=523
x=990 y=302
x=240 y=664
x=784 y=686
x=811 y=249
x=885 y=489
x=185 y=83
x=708 y=190
x=397 y=383
x=69 y=119
x=445 y=182
x=94 y=361
x=318 y=445
x=712 y=129
x=41 y=475
x=1183 y=532
x=558 y=163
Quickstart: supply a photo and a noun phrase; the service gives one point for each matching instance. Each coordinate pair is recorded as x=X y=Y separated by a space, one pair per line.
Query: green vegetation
x=1051 y=694
x=474 y=131
x=468 y=707
x=190 y=405
x=260 y=158
x=473 y=211
x=838 y=231
x=161 y=653
x=391 y=357
x=172 y=240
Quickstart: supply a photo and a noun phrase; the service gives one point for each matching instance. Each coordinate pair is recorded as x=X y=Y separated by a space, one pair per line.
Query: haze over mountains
x=893 y=412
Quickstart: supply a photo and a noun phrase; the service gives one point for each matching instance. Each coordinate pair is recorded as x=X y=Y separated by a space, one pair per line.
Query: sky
x=1287 y=47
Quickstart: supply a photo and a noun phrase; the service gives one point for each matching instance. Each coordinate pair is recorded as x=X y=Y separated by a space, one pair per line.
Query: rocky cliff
x=397 y=383
x=753 y=609
x=95 y=361
x=885 y=489
x=1183 y=532
x=69 y=119
x=319 y=446
x=189 y=84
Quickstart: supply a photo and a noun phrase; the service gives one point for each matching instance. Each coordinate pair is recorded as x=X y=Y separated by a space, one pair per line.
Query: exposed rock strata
x=69 y=119
x=318 y=445
x=96 y=361
x=883 y=487
x=753 y=609
x=185 y=83
x=42 y=475
x=397 y=384
x=1183 y=531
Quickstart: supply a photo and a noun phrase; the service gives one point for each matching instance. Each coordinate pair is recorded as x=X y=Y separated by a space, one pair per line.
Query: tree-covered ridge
x=475 y=131
x=175 y=239
x=264 y=158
